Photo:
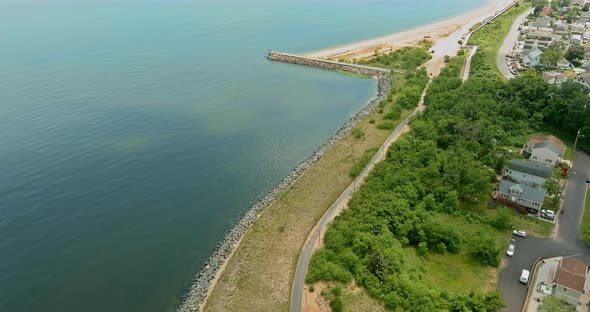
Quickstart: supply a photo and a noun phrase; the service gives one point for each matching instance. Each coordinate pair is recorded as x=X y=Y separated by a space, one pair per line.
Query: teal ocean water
x=134 y=133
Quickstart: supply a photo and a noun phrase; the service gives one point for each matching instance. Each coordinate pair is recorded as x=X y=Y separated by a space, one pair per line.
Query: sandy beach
x=444 y=34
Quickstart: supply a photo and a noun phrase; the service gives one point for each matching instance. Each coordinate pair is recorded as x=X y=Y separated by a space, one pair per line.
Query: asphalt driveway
x=568 y=241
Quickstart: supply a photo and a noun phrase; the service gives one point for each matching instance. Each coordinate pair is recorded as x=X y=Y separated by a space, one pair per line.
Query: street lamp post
x=574 y=151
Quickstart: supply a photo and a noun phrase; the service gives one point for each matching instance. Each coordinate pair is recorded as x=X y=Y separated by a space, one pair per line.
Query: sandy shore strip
x=445 y=34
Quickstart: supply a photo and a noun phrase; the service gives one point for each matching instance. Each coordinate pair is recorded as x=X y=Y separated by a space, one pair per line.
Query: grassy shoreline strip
x=489 y=39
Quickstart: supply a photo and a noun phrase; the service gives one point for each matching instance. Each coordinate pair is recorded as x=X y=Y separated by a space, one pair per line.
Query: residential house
x=554 y=78
x=516 y=194
x=570 y=279
x=544 y=152
x=542 y=138
x=530 y=44
x=563 y=64
x=530 y=167
x=525 y=178
x=585 y=16
x=579 y=3
x=542 y=22
x=578 y=29
x=532 y=58
x=576 y=39
x=543 y=35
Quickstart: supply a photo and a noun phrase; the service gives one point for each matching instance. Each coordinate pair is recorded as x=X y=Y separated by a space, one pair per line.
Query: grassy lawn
x=490 y=38
x=531 y=225
x=585 y=226
x=259 y=275
x=459 y=272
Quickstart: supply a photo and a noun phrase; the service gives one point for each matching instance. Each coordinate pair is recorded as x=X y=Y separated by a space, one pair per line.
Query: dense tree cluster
x=449 y=156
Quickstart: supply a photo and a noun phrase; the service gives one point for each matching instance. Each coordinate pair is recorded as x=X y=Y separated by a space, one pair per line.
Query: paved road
x=507 y=46
x=568 y=239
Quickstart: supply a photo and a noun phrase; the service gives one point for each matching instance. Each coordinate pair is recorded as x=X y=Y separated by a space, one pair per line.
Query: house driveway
x=567 y=240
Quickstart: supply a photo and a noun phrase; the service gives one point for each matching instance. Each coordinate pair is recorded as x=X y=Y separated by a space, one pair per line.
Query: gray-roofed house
x=527 y=179
x=585 y=16
x=542 y=22
x=543 y=35
x=530 y=167
x=532 y=57
x=545 y=152
x=521 y=195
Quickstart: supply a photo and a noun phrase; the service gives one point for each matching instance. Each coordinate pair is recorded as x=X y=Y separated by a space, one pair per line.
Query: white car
x=510 y=250
x=520 y=233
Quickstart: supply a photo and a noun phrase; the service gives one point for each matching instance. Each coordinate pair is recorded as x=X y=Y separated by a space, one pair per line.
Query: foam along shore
x=445 y=35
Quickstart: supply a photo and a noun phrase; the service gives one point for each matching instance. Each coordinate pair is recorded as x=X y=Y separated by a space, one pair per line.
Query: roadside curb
x=531 y=278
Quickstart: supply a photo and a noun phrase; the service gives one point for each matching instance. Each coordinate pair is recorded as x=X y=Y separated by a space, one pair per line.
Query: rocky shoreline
x=197 y=293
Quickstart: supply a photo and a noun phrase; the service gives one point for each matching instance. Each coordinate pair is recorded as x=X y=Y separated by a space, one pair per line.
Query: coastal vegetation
x=423 y=201
x=263 y=265
x=489 y=39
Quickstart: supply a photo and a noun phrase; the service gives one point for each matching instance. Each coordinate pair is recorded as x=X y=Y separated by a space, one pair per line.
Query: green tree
x=574 y=52
x=550 y=57
x=503 y=219
x=552 y=304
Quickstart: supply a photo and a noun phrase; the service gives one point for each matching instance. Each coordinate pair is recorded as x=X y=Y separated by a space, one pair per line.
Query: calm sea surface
x=134 y=133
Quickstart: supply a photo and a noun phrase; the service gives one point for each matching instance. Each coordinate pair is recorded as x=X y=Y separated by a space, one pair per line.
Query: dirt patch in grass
x=356 y=299
x=258 y=276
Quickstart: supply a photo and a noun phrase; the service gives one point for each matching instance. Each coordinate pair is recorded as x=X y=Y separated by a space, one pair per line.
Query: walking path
x=313 y=241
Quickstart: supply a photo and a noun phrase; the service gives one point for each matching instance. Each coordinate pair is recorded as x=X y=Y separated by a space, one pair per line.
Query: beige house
x=569 y=280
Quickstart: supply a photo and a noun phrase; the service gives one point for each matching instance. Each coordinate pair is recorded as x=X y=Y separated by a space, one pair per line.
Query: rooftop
x=531 y=167
x=541 y=137
x=528 y=192
x=549 y=145
x=572 y=273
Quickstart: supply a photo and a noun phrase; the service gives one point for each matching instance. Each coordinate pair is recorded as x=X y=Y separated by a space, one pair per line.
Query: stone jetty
x=197 y=293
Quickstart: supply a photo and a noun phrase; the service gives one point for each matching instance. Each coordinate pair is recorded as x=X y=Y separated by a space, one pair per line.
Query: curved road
x=507 y=46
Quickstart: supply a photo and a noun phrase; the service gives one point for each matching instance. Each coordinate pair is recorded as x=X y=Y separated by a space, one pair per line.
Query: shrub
x=336 y=305
x=372 y=121
x=357 y=133
x=386 y=125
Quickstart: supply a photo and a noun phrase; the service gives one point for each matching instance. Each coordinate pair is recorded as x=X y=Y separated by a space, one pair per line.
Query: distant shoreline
x=434 y=31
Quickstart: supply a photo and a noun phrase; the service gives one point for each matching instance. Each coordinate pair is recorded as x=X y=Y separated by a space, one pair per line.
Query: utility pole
x=574 y=152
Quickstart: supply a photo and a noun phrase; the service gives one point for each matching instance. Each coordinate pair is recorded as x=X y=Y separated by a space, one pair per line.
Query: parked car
x=520 y=233
x=547 y=214
x=524 y=276
x=510 y=251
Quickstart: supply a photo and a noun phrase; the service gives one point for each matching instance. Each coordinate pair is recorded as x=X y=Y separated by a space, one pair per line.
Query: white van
x=524 y=276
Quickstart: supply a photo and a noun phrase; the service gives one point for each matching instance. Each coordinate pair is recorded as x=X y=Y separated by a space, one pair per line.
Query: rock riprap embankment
x=203 y=280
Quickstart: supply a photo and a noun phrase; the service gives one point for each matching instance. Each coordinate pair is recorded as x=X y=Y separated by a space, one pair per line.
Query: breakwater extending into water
x=203 y=281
